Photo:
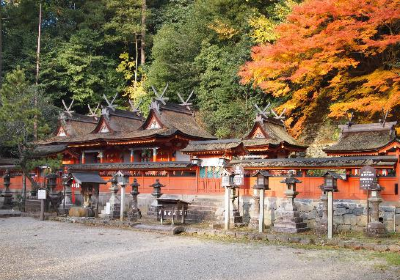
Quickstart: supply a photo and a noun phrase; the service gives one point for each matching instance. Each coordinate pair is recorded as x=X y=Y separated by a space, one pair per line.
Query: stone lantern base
x=376 y=229
x=290 y=222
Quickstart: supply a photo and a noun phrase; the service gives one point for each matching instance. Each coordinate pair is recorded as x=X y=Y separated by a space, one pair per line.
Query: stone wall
x=349 y=215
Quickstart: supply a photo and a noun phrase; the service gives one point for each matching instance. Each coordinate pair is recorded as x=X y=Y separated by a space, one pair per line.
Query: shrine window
x=104 y=128
x=61 y=132
x=154 y=125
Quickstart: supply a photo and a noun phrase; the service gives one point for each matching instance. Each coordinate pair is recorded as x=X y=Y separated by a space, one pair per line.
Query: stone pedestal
x=134 y=213
x=235 y=218
x=66 y=202
x=113 y=206
x=323 y=222
x=7 y=194
x=288 y=219
x=375 y=228
x=256 y=213
x=8 y=199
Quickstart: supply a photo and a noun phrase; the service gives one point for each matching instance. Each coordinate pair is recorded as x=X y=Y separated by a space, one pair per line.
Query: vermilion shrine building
x=163 y=145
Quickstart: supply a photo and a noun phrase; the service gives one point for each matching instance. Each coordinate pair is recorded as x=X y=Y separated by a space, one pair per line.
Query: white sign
x=225 y=180
x=41 y=194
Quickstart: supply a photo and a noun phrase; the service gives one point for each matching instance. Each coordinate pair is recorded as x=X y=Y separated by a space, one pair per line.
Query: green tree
x=17 y=118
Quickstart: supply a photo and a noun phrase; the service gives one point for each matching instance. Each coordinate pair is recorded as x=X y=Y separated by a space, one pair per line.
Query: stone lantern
x=55 y=198
x=288 y=218
x=134 y=213
x=66 y=203
x=262 y=184
x=8 y=197
x=157 y=189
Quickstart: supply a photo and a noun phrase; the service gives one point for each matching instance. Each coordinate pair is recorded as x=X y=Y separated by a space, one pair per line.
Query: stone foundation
x=349 y=215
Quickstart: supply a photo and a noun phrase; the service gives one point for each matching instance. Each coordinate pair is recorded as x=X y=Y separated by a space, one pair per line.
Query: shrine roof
x=45 y=150
x=212 y=145
x=272 y=132
x=131 y=166
x=8 y=161
x=332 y=162
x=363 y=137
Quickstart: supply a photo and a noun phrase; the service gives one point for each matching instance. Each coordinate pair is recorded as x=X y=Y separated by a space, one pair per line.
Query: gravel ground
x=30 y=249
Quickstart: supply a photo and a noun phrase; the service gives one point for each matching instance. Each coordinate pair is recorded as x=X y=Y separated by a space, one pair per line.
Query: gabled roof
x=268 y=131
x=176 y=118
x=118 y=120
x=363 y=138
x=76 y=124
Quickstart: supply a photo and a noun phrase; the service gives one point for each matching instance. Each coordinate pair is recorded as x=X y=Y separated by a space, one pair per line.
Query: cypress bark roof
x=212 y=145
x=287 y=163
x=363 y=137
x=176 y=118
x=269 y=131
x=131 y=166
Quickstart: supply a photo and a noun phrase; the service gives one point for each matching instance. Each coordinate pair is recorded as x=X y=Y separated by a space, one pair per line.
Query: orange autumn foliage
x=332 y=56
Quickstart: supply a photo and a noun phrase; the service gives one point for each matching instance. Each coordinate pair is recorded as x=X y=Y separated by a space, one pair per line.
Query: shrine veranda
x=170 y=145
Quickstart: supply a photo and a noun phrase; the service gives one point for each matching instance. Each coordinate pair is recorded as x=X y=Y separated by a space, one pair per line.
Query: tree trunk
x=35 y=124
x=143 y=33
x=1 y=47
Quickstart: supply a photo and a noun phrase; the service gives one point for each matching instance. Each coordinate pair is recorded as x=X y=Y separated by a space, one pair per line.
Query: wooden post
x=330 y=214
x=261 y=218
x=227 y=207
x=121 y=214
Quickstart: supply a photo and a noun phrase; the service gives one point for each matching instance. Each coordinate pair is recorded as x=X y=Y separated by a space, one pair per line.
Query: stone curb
x=280 y=238
x=9 y=213
x=163 y=229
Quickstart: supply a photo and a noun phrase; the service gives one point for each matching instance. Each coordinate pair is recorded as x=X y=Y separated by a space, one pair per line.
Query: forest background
x=319 y=59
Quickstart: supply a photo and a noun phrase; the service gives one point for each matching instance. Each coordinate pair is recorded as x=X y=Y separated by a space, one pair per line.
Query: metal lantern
x=262 y=181
x=135 y=187
x=196 y=161
x=330 y=181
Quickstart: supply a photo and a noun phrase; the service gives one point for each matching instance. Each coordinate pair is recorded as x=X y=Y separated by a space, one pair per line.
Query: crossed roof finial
x=68 y=108
x=135 y=109
x=160 y=97
x=93 y=113
x=384 y=115
x=111 y=104
x=186 y=103
x=262 y=113
x=279 y=117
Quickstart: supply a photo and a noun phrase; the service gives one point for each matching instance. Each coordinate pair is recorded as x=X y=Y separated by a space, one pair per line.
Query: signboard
x=41 y=194
x=368 y=179
x=238 y=180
